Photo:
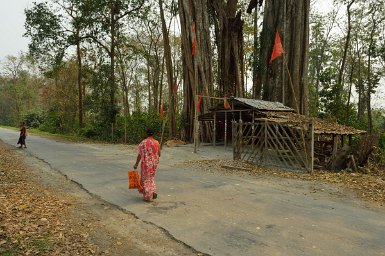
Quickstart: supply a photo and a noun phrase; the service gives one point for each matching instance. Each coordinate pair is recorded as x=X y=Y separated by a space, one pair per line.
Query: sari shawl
x=148 y=150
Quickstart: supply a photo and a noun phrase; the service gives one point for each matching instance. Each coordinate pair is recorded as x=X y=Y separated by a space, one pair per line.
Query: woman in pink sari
x=149 y=153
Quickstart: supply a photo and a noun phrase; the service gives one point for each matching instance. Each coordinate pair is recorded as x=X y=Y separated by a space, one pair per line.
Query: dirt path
x=43 y=213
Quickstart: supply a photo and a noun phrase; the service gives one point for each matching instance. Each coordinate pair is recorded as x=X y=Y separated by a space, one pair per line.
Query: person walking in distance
x=149 y=153
x=23 y=135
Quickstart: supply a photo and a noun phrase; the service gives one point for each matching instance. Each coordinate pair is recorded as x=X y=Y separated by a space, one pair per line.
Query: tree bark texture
x=170 y=78
x=229 y=39
x=197 y=74
x=79 y=81
x=286 y=82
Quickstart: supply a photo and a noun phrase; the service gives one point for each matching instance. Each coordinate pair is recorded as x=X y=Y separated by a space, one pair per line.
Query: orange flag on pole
x=193 y=50
x=198 y=107
x=226 y=104
x=175 y=88
x=161 y=111
x=277 y=49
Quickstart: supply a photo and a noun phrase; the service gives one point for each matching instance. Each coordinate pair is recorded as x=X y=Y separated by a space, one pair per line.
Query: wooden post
x=334 y=146
x=196 y=123
x=265 y=143
x=225 y=129
x=234 y=136
x=312 y=146
x=125 y=126
x=253 y=133
x=164 y=121
x=215 y=129
x=240 y=139
x=112 y=132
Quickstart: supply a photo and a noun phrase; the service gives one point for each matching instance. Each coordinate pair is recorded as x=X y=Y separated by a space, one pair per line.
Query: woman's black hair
x=150 y=131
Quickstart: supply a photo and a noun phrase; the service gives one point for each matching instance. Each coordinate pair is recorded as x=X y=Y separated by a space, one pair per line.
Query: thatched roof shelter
x=249 y=109
x=323 y=138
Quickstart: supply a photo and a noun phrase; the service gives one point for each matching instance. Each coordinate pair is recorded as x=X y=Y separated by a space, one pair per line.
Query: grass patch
x=9 y=252
x=42 y=245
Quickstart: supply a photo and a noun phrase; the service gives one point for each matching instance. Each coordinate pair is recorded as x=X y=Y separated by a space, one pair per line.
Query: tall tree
x=375 y=22
x=104 y=19
x=170 y=74
x=52 y=32
x=290 y=18
x=196 y=59
x=229 y=38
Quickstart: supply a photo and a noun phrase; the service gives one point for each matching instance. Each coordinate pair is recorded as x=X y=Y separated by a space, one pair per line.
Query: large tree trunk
x=229 y=34
x=346 y=47
x=170 y=78
x=257 y=89
x=370 y=85
x=286 y=79
x=79 y=81
x=197 y=76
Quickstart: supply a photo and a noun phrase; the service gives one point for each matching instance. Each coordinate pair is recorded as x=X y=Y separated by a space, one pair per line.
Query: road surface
x=221 y=214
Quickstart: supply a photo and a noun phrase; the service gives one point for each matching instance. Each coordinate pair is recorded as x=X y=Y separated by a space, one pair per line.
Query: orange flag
x=277 y=49
x=175 y=88
x=194 y=46
x=161 y=111
x=226 y=104
x=198 y=107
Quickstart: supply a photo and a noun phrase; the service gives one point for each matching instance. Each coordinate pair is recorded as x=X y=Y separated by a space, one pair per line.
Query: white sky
x=12 y=20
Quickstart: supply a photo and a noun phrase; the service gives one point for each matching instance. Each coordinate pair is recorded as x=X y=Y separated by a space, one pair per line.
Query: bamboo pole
x=196 y=124
x=163 y=126
x=225 y=129
x=215 y=130
x=312 y=147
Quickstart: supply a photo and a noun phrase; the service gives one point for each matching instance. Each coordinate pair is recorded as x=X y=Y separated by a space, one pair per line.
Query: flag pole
x=196 y=124
x=291 y=84
x=284 y=38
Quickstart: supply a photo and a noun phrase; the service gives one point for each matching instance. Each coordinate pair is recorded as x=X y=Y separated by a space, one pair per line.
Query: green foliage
x=59 y=122
x=33 y=119
x=382 y=141
x=52 y=122
x=88 y=132
x=137 y=124
x=48 y=40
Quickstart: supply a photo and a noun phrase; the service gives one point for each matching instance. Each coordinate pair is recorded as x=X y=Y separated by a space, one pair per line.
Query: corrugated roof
x=263 y=105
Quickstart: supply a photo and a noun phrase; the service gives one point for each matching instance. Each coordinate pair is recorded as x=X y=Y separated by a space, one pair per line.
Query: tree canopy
x=97 y=67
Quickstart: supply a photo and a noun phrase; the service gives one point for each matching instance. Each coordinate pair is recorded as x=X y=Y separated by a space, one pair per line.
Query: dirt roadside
x=44 y=213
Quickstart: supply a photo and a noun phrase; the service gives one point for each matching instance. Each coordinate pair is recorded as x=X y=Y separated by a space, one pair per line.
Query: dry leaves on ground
x=33 y=219
x=370 y=185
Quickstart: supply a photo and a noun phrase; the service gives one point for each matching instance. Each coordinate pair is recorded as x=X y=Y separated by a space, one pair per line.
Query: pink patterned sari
x=148 y=150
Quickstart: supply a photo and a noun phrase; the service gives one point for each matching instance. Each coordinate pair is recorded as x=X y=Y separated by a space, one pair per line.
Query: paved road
x=222 y=214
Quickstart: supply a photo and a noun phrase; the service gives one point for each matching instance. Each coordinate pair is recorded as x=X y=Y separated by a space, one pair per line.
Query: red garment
x=149 y=152
x=23 y=131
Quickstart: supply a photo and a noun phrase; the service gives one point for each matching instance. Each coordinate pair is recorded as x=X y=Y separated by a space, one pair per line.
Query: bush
x=33 y=120
x=88 y=132
x=137 y=124
x=382 y=141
